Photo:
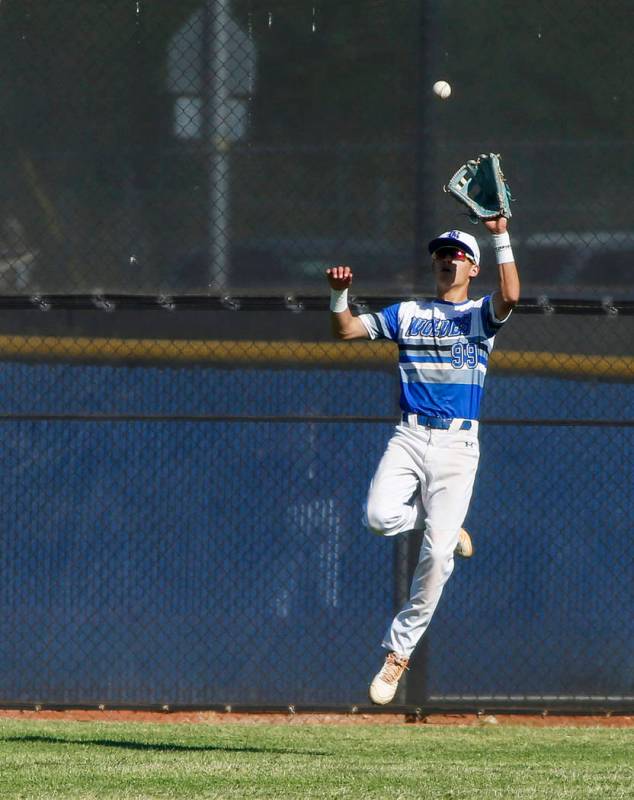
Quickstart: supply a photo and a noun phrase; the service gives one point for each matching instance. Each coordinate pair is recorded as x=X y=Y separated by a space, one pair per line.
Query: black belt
x=438 y=423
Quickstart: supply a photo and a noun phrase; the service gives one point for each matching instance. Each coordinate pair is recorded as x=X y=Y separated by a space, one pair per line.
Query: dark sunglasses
x=453 y=252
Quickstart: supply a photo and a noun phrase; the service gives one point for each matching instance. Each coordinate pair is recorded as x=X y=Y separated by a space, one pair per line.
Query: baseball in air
x=442 y=89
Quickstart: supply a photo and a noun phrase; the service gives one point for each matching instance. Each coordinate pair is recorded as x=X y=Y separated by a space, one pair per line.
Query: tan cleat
x=464 y=548
x=385 y=683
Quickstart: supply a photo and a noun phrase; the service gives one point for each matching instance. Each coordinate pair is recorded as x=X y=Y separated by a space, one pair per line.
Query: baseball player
x=425 y=477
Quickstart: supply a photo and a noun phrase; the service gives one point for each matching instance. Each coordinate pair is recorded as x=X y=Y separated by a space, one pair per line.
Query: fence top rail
x=290 y=302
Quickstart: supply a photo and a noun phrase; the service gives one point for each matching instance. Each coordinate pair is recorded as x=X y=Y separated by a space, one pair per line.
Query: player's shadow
x=163 y=747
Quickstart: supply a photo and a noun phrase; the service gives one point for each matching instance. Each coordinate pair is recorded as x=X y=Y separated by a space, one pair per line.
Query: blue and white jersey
x=444 y=352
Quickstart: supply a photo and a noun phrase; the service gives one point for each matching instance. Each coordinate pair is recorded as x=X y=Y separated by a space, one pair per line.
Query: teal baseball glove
x=480 y=185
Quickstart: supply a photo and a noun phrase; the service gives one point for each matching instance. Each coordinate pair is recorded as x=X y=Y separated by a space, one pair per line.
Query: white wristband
x=503 y=249
x=338 y=300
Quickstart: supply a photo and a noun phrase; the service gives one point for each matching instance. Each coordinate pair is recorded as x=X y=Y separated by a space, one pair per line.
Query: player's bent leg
x=393 y=503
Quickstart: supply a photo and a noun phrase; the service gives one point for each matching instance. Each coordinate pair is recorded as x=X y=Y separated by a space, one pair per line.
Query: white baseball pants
x=424 y=482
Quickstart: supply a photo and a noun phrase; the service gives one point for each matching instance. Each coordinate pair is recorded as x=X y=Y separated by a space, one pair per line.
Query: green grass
x=130 y=761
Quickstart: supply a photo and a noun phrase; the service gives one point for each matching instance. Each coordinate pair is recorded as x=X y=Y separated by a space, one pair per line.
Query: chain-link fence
x=186 y=452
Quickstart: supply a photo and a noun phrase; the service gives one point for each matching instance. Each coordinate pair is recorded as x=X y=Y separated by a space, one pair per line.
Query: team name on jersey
x=457 y=326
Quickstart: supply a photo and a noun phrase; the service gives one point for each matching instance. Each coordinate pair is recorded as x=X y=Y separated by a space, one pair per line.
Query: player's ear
x=475 y=269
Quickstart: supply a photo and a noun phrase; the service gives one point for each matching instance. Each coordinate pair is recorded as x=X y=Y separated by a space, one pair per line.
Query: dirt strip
x=215 y=718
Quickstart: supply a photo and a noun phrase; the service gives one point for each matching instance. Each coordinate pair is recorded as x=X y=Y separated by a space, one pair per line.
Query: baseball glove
x=481 y=186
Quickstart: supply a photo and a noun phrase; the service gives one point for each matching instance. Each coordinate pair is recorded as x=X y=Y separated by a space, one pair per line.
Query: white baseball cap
x=464 y=241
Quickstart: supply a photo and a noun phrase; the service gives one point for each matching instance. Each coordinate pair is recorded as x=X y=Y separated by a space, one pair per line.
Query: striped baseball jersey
x=444 y=351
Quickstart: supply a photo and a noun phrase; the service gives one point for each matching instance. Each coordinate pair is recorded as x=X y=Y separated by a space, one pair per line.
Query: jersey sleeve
x=383 y=324
x=490 y=322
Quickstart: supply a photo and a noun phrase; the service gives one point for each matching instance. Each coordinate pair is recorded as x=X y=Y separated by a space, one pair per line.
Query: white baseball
x=442 y=89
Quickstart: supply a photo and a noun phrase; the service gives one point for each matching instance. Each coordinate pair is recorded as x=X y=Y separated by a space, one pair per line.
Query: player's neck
x=456 y=294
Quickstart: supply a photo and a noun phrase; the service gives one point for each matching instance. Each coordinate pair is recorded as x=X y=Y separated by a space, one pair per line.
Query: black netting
x=235 y=146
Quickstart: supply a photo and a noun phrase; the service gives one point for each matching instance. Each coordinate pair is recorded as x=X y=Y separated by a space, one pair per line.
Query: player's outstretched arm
x=508 y=294
x=344 y=325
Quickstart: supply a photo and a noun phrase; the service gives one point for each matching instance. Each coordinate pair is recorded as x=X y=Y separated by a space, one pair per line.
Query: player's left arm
x=508 y=294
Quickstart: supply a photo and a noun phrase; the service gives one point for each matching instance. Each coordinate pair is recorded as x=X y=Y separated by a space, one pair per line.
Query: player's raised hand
x=339 y=277
x=497 y=225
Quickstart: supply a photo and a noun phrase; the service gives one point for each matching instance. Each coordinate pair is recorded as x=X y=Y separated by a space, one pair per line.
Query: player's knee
x=372 y=519
x=382 y=520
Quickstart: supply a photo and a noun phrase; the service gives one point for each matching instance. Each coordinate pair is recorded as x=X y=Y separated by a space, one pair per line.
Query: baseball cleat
x=464 y=548
x=385 y=683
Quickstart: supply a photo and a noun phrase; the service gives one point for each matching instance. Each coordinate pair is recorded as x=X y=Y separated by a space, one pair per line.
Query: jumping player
x=425 y=477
